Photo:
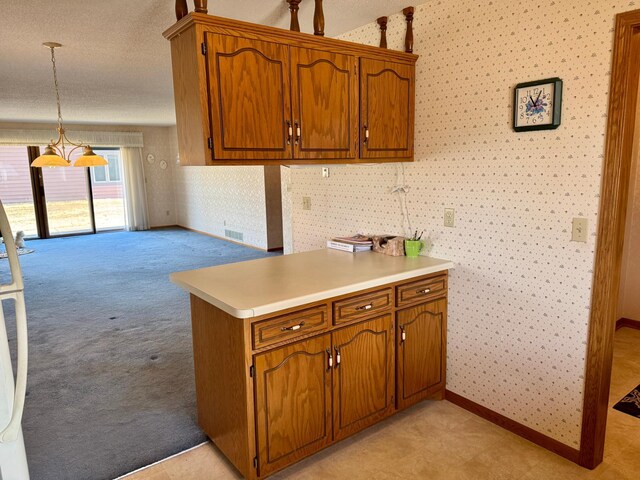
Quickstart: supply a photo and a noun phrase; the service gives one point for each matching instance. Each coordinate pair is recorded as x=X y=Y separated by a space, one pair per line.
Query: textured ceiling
x=115 y=66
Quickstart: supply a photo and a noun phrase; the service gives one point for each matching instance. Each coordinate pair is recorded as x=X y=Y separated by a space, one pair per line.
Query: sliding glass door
x=51 y=202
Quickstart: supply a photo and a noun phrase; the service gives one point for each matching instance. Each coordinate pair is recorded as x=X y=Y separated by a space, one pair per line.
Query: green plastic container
x=412 y=247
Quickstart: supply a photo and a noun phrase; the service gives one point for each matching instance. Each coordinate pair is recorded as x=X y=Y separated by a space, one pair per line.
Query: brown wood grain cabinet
x=248 y=84
x=248 y=94
x=277 y=388
x=364 y=377
x=325 y=104
x=293 y=402
x=421 y=351
x=387 y=109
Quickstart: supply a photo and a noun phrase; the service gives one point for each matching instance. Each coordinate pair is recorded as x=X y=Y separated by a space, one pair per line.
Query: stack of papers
x=356 y=243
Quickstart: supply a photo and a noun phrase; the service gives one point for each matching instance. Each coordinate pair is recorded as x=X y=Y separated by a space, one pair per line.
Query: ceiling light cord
x=55 y=84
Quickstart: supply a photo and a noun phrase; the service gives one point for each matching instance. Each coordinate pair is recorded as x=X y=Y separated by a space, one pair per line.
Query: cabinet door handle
x=366 y=135
x=289 y=132
x=338 y=358
x=330 y=359
x=403 y=334
x=368 y=306
x=298 y=132
x=423 y=291
x=293 y=327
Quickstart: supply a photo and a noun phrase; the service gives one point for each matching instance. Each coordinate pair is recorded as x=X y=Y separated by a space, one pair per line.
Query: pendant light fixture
x=55 y=154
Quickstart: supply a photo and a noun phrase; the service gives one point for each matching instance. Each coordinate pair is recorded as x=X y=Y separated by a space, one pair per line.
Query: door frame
x=610 y=236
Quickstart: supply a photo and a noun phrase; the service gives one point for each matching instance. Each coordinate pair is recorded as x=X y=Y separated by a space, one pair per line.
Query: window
x=111 y=173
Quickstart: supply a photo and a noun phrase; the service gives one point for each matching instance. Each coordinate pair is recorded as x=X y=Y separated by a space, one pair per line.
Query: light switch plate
x=306 y=203
x=579 y=230
x=449 y=217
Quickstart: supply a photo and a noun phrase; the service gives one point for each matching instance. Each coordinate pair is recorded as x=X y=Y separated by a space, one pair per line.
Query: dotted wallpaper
x=519 y=297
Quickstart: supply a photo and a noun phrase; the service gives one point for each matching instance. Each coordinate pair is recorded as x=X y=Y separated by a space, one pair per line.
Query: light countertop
x=267 y=285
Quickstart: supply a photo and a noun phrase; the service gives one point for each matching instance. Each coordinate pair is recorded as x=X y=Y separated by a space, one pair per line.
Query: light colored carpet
x=111 y=384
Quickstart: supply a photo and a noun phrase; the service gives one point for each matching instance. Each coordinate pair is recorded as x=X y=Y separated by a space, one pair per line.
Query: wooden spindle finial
x=408 y=39
x=293 y=7
x=382 y=21
x=181 y=9
x=201 y=6
x=318 y=19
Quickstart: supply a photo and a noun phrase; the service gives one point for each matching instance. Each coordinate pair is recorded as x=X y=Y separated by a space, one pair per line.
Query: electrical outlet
x=449 y=217
x=306 y=203
x=325 y=172
x=579 y=230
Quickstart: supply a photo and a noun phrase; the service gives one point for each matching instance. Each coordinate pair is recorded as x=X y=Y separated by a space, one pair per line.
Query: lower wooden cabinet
x=275 y=389
x=363 y=377
x=421 y=351
x=293 y=402
x=294 y=390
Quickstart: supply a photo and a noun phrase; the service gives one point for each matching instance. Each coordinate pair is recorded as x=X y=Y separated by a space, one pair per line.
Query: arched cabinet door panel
x=387 y=109
x=249 y=95
x=421 y=351
x=363 y=376
x=325 y=104
x=293 y=402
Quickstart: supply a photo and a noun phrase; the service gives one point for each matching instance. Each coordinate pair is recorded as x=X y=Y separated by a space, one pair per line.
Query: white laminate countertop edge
x=205 y=283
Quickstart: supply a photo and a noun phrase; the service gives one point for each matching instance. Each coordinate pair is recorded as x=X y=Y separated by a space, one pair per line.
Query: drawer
x=421 y=290
x=361 y=306
x=289 y=327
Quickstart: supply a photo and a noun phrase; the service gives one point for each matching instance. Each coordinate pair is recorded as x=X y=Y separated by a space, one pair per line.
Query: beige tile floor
x=438 y=440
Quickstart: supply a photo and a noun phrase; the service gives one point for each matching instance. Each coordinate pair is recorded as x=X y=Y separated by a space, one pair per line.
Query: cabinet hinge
x=210 y=142
x=255 y=462
x=203 y=48
x=252 y=371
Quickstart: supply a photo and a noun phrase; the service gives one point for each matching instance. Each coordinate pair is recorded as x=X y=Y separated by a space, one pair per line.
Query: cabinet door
x=325 y=104
x=363 y=377
x=293 y=402
x=387 y=108
x=421 y=351
x=250 y=98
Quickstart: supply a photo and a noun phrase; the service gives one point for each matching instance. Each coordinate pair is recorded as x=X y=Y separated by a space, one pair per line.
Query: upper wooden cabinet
x=387 y=109
x=325 y=104
x=247 y=94
x=249 y=123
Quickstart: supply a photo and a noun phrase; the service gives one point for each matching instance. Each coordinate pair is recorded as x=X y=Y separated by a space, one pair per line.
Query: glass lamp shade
x=49 y=159
x=90 y=159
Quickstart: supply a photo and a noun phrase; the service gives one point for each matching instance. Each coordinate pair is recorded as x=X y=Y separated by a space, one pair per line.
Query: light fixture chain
x=55 y=83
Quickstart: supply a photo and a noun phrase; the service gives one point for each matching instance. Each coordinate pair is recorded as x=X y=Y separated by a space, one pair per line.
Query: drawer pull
x=293 y=328
x=423 y=291
x=368 y=306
